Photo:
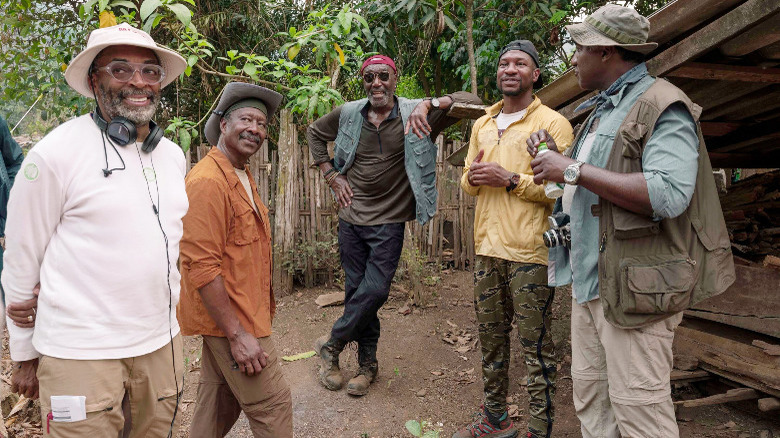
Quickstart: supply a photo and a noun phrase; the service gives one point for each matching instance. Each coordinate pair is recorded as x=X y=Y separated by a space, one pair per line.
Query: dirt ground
x=428 y=370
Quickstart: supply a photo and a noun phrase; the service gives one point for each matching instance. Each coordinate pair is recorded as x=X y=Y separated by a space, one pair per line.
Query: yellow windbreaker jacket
x=509 y=226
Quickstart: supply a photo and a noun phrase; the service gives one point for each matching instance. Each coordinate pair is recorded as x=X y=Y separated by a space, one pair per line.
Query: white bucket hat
x=120 y=35
x=614 y=25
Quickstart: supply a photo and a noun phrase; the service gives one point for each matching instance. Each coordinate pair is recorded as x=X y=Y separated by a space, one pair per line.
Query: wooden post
x=287 y=213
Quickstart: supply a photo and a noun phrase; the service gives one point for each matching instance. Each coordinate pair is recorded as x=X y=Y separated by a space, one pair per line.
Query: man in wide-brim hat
x=642 y=204
x=97 y=222
x=227 y=271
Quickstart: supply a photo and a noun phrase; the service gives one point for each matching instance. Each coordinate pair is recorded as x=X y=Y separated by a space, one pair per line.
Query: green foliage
x=410 y=88
x=422 y=429
x=309 y=51
x=182 y=131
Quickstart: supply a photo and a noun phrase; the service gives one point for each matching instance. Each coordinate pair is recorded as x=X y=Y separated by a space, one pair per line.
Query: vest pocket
x=632 y=134
x=656 y=284
x=630 y=225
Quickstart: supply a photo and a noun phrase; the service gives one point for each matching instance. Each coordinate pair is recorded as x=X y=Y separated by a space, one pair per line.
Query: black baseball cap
x=527 y=47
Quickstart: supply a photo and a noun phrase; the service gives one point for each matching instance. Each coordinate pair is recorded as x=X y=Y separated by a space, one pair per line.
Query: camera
x=559 y=233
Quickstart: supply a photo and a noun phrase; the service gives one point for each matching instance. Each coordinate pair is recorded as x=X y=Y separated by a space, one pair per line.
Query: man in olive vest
x=648 y=237
x=383 y=174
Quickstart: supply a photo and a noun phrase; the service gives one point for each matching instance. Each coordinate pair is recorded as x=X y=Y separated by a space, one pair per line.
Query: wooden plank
x=745 y=107
x=746 y=135
x=711 y=94
x=561 y=91
x=732 y=395
x=679 y=17
x=743 y=160
x=733 y=23
x=729 y=358
x=721 y=72
x=678 y=376
x=717 y=129
x=466 y=111
x=771 y=51
x=750 y=303
x=761 y=35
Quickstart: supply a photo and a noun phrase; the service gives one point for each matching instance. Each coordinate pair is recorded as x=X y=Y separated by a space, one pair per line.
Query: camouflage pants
x=504 y=291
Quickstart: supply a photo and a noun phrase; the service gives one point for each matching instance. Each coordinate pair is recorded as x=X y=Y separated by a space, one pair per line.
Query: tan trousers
x=148 y=381
x=224 y=391
x=621 y=377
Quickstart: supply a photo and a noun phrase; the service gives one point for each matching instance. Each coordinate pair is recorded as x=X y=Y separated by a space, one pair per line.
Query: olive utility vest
x=420 y=154
x=649 y=270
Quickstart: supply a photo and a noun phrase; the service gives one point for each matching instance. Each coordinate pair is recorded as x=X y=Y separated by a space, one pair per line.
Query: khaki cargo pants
x=148 y=381
x=620 y=378
x=224 y=391
x=505 y=291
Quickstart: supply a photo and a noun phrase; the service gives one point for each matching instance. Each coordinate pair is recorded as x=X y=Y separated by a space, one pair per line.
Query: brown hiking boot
x=359 y=384
x=330 y=373
x=369 y=367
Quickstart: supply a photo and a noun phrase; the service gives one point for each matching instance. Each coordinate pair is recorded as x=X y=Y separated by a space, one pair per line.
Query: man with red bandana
x=383 y=174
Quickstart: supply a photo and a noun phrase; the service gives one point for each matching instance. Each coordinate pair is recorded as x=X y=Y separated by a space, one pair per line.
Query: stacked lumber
x=751 y=208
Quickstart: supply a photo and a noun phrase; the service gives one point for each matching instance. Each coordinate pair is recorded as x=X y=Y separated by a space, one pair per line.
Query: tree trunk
x=424 y=81
x=437 y=76
x=286 y=214
x=470 y=43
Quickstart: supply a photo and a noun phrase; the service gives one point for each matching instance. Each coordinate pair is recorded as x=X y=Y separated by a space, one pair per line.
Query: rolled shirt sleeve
x=670 y=162
x=205 y=231
x=320 y=132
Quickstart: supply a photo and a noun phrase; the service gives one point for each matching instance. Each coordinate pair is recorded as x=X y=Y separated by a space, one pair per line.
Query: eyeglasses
x=124 y=71
x=369 y=77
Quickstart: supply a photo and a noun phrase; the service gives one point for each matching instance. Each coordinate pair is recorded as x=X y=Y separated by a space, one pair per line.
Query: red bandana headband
x=379 y=59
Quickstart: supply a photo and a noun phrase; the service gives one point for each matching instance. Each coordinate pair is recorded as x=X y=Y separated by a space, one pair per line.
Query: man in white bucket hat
x=96 y=218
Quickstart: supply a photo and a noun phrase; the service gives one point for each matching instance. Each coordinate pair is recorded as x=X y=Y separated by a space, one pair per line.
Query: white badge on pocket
x=68 y=408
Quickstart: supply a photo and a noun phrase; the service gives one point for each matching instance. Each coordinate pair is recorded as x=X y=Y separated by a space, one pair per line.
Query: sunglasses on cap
x=369 y=77
x=124 y=71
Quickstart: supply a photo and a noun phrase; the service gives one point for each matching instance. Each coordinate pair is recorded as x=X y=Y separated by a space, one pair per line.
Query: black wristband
x=512 y=184
x=329 y=171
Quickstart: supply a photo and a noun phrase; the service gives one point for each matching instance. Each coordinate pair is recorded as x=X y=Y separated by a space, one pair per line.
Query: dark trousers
x=369 y=256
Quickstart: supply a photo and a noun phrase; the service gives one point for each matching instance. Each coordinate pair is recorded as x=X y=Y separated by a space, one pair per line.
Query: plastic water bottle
x=552 y=189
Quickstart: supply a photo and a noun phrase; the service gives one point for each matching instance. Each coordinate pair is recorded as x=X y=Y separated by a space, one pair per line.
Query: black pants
x=369 y=256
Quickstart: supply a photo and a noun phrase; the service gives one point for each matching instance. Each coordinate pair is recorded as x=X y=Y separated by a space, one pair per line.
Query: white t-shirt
x=244 y=178
x=503 y=120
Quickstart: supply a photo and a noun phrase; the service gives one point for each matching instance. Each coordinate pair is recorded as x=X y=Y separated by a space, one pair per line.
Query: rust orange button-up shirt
x=223 y=235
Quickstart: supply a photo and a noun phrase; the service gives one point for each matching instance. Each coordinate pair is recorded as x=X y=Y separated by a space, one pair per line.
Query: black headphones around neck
x=122 y=131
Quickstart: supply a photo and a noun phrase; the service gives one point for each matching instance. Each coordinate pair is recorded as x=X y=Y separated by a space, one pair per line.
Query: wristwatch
x=513 y=181
x=435 y=103
x=572 y=173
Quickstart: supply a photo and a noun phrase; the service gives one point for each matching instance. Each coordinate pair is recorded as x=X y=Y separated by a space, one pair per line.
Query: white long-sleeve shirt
x=95 y=245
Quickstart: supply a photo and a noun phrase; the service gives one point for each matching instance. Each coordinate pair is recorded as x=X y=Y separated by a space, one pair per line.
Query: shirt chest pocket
x=245 y=227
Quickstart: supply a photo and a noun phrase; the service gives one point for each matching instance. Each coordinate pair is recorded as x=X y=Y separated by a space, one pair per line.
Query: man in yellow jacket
x=510 y=273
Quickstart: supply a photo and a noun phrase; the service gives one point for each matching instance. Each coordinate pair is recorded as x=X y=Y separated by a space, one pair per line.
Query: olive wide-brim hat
x=77 y=74
x=235 y=92
x=614 y=25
